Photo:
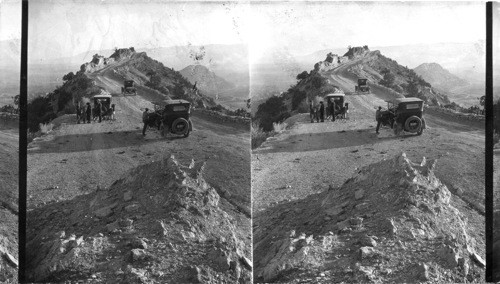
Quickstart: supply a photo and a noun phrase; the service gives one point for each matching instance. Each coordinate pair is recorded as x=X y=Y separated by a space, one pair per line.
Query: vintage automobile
x=129 y=88
x=107 y=109
x=407 y=115
x=173 y=116
x=362 y=86
x=340 y=108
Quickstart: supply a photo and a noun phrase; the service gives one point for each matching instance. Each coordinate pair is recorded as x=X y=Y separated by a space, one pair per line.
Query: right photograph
x=368 y=142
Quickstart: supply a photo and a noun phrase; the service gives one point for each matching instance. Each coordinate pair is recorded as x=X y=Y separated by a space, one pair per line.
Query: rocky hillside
x=385 y=76
x=439 y=77
x=160 y=223
x=206 y=80
x=153 y=80
x=383 y=71
x=393 y=221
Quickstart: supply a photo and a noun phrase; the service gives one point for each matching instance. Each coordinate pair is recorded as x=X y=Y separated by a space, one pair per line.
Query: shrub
x=302 y=75
x=297 y=98
x=46 y=127
x=279 y=126
x=258 y=135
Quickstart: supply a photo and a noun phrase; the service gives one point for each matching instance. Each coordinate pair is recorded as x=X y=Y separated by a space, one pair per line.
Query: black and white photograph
x=10 y=55
x=194 y=141
x=139 y=142
x=368 y=142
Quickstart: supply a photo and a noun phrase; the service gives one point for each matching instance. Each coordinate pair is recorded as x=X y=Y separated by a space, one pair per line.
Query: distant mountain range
x=439 y=77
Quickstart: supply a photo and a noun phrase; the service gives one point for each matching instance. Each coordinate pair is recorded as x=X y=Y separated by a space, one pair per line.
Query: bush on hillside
x=302 y=75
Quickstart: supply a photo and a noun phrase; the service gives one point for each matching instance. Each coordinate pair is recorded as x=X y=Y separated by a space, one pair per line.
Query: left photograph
x=138 y=143
x=10 y=59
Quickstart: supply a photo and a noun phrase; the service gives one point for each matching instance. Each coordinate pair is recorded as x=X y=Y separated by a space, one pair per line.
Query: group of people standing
x=84 y=113
x=317 y=112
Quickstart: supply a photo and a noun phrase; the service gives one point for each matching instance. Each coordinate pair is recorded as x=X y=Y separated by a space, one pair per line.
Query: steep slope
x=386 y=78
x=160 y=223
x=439 y=77
x=9 y=171
x=392 y=221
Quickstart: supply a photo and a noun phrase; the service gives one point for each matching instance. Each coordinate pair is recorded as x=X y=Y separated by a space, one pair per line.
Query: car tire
x=422 y=127
x=180 y=121
x=413 y=124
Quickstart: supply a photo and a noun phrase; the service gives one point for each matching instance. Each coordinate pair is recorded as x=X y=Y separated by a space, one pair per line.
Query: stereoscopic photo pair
x=249 y=142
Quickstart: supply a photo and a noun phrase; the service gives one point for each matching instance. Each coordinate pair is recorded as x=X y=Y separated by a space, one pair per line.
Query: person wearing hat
x=321 y=111
x=378 y=115
x=145 y=120
x=88 y=112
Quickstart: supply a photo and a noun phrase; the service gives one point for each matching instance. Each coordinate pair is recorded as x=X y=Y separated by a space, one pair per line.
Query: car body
x=408 y=115
x=362 y=86
x=339 y=99
x=129 y=88
x=174 y=117
x=105 y=101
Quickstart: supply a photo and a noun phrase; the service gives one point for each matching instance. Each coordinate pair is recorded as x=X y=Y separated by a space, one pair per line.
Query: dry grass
x=46 y=127
x=279 y=127
x=258 y=135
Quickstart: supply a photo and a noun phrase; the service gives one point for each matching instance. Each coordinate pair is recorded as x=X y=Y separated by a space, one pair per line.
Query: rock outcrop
x=393 y=221
x=160 y=223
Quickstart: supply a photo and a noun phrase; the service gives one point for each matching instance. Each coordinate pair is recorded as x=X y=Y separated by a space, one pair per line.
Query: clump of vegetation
x=11 y=108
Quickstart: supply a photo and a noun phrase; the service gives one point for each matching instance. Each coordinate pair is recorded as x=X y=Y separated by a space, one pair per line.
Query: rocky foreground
x=160 y=223
x=393 y=221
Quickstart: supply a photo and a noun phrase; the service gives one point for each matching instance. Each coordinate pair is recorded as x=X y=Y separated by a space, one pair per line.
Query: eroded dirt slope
x=9 y=177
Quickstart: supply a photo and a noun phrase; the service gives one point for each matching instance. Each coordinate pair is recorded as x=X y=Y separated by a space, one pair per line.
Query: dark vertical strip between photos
x=489 y=146
x=23 y=123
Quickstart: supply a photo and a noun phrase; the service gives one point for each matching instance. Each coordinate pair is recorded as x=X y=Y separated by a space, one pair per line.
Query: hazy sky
x=67 y=28
x=304 y=27
x=73 y=27
x=10 y=19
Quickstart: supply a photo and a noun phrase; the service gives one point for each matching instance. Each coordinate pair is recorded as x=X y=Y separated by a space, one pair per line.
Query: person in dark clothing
x=145 y=115
x=378 y=115
x=322 y=111
x=98 y=109
x=78 y=113
x=330 y=109
x=88 y=113
x=311 y=111
x=333 y=109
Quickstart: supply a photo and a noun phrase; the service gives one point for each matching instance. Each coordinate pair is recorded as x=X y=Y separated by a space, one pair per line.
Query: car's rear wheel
x=180 y=126
x=413 y=124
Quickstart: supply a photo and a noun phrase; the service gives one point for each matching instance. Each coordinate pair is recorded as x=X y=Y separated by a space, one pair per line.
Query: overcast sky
x=10 y=19
x=67 y=28
x=308 y=26
x=73 y=27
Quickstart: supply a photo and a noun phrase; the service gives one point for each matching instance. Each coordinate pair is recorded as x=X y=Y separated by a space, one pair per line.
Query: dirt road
x=77 y=158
